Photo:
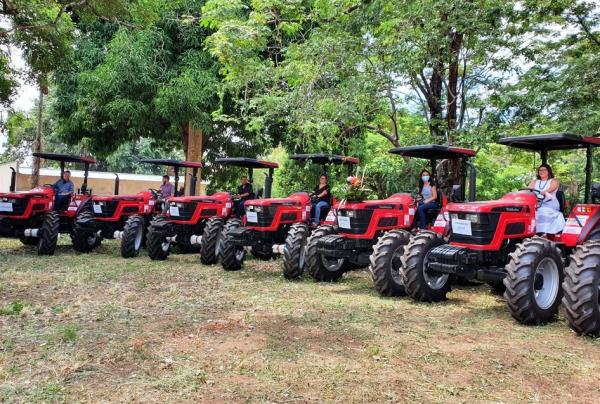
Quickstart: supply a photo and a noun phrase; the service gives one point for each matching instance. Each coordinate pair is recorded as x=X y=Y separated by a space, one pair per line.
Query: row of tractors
x=493 y=242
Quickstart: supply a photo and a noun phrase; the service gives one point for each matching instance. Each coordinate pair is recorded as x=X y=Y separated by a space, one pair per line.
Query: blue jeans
x=61 y=202
x=318 y=207
x=239 y=208
x=422 y=213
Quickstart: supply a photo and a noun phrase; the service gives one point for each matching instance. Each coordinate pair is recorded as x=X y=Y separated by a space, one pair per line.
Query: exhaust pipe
x=13 y=180
x=117 y=183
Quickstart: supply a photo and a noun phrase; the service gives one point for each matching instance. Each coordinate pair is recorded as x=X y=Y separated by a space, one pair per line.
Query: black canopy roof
x=433 y=151
x=173 y=163
x=551 y=141
x=323 y=158
x=245 y=162
x=67 y=158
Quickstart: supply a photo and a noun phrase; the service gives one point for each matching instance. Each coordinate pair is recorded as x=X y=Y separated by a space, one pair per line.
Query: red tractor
x=275 y=226
x=194 y=223
x=126 y=217
x=331 y=251
x=33 y=217
x=496 y=242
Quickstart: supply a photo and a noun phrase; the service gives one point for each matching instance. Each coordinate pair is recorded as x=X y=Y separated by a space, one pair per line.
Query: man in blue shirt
x=63 y=188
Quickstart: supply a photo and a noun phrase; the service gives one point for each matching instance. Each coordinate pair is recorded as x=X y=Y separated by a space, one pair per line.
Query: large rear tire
x=210 y=243
x=231 y=255
x=420 y=282
x=533 y=281
x=582 y=290
x=158 y=246
x=84 y=235
x=386 y=261
x=50 y=228
x=322 y=268
x=132 y=238
x=294 y=251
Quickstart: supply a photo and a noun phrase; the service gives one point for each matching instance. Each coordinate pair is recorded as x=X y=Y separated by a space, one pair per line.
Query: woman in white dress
x=548 y=217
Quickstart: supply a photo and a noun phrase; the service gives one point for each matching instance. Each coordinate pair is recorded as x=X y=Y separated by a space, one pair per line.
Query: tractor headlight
x=350 y=213
x=473 y=218
x=258 y=209
x=453 y=216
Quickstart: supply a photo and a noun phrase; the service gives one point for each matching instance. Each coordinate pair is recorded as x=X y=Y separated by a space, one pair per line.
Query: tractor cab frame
x=269 y=223
x=33 y=217
x=496 y=242
x=333 y=251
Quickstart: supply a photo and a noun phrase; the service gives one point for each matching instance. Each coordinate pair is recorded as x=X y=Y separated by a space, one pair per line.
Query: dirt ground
x=96 y=327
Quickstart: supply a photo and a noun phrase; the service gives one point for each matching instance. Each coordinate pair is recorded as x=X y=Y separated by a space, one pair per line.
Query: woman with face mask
x=548 y=217
x=428 y=192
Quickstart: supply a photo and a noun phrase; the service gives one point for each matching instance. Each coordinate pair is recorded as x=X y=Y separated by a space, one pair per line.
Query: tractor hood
x=216 y=197
x=139 y=196
x=38 y=191
x=390 y=203
x=509 y=202
x=299 y=198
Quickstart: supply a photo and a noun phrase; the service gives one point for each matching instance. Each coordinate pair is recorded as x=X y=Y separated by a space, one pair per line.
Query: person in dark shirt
x=64 y=188
x=245 y=193
x=321 y=198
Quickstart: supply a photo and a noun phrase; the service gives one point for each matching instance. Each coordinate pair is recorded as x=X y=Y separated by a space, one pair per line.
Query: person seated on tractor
x=320 y=198
x=166 y=188
x=548 y=217
x=64 y=188
x=428 y=193
x=245 y=193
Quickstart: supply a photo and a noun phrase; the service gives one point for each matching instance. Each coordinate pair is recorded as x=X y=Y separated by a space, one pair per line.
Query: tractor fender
x=87 y=202
x=588 y=228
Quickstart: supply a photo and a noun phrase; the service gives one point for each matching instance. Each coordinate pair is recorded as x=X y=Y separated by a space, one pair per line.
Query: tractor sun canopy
x=433 y=152
x=245 y=162
x=69 y=158
x=177 y=164
x=251 y=164
x=557 y=141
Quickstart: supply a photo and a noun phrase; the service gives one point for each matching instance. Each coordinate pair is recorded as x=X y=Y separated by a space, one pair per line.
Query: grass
x=100 y=328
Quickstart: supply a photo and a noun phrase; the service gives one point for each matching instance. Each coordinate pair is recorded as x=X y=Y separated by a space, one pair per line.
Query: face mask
x=425 y=178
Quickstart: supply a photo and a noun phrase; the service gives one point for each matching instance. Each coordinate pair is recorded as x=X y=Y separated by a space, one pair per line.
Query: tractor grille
x=359 y=220
x=264 y=214
x=186 y=210
x=108 y=209
x=482 y=229
x=19 y=205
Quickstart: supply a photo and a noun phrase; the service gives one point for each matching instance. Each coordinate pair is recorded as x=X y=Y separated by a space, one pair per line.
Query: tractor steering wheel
x=538 y=195
x=155 y=192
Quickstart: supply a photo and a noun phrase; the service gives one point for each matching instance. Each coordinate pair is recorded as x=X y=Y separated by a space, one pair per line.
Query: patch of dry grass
x=100 y=328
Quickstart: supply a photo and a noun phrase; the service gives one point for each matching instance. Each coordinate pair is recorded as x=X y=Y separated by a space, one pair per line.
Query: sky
x=26 y=94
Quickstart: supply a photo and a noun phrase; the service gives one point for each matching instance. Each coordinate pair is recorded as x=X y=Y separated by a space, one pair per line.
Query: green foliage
x=11 y=309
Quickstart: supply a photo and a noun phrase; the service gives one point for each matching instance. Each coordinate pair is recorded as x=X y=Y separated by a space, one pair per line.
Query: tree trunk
x=452 y=95
x=37 y=141
x=193 y=152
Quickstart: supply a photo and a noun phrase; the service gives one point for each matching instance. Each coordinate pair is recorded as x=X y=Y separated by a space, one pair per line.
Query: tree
x=123 y=84
x=333 y=70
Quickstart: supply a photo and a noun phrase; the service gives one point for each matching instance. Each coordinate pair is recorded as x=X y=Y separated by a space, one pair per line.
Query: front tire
x=84 y=234
x=582 y=290
x=322 y=268
x=420 y=282
x=386 y=261
x=210 y=243
x=132 y=238
x=533 y=281
x=232 y=256
x=49 y=238
x=158 y=246
x=294 y=251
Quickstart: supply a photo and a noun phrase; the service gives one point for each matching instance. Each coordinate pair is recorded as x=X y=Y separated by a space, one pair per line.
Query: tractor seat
x=596 y=192
x=562 y=200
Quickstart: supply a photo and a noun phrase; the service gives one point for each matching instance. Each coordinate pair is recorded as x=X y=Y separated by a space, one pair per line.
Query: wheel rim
x=239 y=254
x=218 y=248
x=139 y=233
x=302 y=256
x=395 y=264
x=91 y=240
x=434 y=280
x=332 y=264
x=545 y=283
x=165 y=246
